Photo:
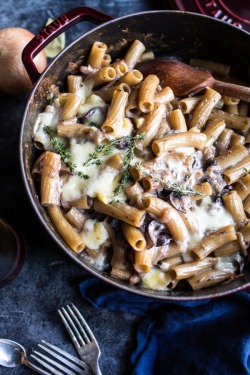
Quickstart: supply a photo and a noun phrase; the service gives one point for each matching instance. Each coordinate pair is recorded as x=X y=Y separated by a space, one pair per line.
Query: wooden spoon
x=185 y=79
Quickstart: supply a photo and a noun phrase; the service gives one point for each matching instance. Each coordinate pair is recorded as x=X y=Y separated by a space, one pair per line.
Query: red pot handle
x=54 y=29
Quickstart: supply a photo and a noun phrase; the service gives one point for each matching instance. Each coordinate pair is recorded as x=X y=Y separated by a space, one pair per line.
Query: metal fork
x=58 y=362
x=82 y=336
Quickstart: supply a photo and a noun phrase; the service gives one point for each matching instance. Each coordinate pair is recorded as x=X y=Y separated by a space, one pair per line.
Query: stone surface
x=49 y=279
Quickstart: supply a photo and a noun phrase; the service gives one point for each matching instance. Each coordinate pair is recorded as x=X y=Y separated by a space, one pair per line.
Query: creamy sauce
x=156 y=279
x=47 y=118
x=102 y=180
x=94 y=234
x=210 y=217
x=227 y=264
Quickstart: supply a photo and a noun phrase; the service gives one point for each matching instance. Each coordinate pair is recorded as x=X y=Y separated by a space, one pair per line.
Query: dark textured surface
x=48 y=280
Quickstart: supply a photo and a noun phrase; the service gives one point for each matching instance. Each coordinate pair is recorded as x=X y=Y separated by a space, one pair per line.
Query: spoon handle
x=233 y=90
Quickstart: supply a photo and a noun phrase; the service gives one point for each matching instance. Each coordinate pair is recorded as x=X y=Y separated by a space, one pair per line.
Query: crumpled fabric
x=205 y=337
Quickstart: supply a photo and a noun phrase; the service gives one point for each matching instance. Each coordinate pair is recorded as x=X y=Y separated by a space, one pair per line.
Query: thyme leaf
x=176 y=188
x=107 y=148
x=129 y=155
x=124 y=179
x=101 y=150
x=63 y=151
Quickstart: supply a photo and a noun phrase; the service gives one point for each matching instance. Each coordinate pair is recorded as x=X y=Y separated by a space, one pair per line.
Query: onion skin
x=14 y=79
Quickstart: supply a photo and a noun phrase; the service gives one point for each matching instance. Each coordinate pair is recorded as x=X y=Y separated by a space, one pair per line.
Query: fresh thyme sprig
x=101 y=150
x=63 y=151
x=130 y=150
x=106 y=149
x=129 y=155
x=124 y=179
x=176 y=188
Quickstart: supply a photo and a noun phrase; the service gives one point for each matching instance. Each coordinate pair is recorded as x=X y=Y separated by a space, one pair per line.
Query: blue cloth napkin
x=210 y=337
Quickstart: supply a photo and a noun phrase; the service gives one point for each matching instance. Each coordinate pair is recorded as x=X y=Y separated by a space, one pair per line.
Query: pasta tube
x=208 y=278
x=213 y=131
x=246 y=232
x=184 y=139
x=143 y=260
x=177 y=120
x=233 y=121
x=106 y=93
x=204 y=189
x=151 y=124
x=166 y=95
x=134 y=237
x=74 y=83
x=147 y=93
x=234 y=205
x=236 y=172
x=224 y=139
x=185 y=270
x=70 y=236
x=120 y=67
x=114 y=119
x=215 y=240
x=204 y=108
x=228 y=249
x=132 y=78
x=75 y=217
x=134 y=53
x=168 y=215
x=102 y=76
x=50 y=181
x=96 y=55
x=70 y=107
x=123 y=212
x=243 y=187
x=187 y=105
x=231 y=157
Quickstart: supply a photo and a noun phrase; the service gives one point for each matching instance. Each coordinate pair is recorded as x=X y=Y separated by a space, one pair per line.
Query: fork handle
x=96 y=369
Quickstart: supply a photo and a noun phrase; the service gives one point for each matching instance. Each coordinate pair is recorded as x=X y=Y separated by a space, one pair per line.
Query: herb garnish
x=124 y=179
x=63 y=151
x=101 y=150
x=176 y=188
x=129 y=144
x=129 y=155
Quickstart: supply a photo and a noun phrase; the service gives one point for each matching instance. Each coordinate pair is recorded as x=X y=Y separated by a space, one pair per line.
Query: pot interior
x=180 y=35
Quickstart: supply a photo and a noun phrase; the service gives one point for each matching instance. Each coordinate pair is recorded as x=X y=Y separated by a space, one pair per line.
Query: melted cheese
x=49 y=117
x=228 y=263
x=94 y=234
x=186 y=150
x=94 y=101
x=102 y=180
x=156 y=279
x=210 y=216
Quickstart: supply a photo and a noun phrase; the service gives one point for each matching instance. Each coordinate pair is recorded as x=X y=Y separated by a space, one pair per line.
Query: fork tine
x=71 y=328
x=73 y=361
x=67 y=361
x=81 y=336
x=49 y=367
x=81 y=322
x=76 y=319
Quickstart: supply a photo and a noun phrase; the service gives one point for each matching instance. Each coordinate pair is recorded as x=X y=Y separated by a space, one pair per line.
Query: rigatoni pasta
x=150 y=188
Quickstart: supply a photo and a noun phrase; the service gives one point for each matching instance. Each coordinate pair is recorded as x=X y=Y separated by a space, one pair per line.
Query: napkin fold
x=208 y=337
